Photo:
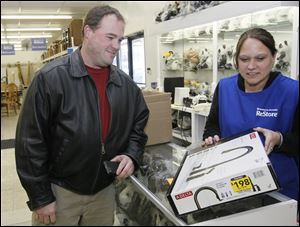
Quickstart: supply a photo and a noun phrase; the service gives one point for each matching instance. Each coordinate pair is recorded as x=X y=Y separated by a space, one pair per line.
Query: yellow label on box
x=242 y=183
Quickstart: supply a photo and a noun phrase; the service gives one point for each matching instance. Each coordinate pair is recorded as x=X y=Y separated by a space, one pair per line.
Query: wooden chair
x=3 y=96
x=9 y=98
x=3 y=86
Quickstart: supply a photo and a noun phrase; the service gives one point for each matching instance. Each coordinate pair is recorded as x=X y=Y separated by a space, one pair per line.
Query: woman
x=261 y=99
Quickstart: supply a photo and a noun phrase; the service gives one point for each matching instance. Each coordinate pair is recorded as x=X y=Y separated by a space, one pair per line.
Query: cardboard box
x=75 y=31
x=233 y=169
x=159 y=126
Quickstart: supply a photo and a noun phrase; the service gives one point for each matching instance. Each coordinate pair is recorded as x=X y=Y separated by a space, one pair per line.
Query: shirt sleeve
x=212 y=126
x=290 y=144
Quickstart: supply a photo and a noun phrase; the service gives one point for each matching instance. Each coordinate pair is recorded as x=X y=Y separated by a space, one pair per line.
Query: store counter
x=142 y=198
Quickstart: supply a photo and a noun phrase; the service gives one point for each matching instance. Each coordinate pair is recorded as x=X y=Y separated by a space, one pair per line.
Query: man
x=80 y=111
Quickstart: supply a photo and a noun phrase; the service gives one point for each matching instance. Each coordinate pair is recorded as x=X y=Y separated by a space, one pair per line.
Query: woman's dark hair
x=256 y=33
x=95 y=15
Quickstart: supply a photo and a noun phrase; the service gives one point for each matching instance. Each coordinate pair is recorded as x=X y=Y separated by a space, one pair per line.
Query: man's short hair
x=95 y=15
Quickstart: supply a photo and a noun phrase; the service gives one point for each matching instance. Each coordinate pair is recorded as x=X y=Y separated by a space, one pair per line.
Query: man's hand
x=46 y=214
x=126 y=166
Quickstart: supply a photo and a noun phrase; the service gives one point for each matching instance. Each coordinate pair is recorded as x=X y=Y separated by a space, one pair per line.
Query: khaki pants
x=74 y=209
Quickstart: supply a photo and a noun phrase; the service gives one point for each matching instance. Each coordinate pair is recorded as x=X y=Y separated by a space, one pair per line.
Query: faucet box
x=235 y=168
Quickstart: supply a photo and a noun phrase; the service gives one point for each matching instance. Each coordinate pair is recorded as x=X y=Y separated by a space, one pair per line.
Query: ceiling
x=76 y=9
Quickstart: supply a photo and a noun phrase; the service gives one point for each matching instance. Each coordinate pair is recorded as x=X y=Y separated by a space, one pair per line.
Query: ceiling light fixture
x=31 y=29
x=6 y=41
x=25 y=36
x=13 y=41
x=19 y=17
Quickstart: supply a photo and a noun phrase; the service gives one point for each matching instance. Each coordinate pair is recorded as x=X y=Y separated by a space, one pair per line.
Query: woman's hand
x=271 y=138
x=210 y=141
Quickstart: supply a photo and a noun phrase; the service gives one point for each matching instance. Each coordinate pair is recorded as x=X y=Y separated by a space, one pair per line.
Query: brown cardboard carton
x=75 y=31
x=159 y=126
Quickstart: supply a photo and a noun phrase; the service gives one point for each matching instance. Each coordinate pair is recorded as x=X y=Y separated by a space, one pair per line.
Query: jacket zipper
x=109 y=102
x=100 y=133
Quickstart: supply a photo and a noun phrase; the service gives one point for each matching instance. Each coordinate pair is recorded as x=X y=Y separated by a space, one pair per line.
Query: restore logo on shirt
x=260 y=112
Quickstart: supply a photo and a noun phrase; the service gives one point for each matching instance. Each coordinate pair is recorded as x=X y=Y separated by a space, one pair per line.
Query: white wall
x=139 y=16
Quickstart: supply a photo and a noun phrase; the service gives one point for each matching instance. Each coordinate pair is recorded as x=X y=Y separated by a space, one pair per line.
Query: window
x=131 y=58
x=138 y=60
x=123 y=56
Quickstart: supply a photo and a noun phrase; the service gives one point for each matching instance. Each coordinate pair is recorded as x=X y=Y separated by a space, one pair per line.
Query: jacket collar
x=114 y=76
x=78 y=69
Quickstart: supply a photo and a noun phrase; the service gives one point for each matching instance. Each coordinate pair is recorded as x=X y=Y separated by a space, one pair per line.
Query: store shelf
x=206 y=31
x=182 y=135
x=182 y=108
x=198 y=120
x=63 y=53
x=55 y=56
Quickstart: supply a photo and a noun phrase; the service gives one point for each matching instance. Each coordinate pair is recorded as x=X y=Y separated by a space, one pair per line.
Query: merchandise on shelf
x=208 y=49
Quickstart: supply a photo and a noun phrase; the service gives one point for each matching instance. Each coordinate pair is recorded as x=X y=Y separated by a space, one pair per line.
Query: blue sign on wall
x=38 y=44
x=7 y=49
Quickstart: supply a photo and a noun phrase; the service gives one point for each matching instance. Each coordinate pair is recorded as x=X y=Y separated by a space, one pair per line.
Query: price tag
x=241 y=183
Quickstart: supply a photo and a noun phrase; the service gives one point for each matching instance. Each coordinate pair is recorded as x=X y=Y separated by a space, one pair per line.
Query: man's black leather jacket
x=58 y=137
